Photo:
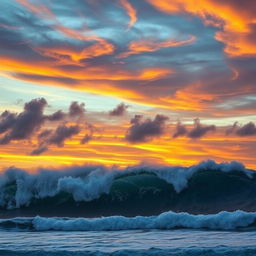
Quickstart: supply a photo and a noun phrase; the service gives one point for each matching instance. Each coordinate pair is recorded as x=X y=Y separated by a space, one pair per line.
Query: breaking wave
x=142 y=190
x=167 y=220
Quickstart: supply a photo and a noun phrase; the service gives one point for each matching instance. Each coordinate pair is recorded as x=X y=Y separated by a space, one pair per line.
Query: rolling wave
x=167 y=220
x=142 y=190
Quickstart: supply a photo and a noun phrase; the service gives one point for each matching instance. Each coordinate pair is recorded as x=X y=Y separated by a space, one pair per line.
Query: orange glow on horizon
x=114 y=150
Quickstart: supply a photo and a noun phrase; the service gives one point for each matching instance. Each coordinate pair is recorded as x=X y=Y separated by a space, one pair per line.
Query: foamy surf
x=165 y=221
x=19 y=188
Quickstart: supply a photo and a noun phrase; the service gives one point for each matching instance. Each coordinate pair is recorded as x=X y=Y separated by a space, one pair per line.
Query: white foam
x=167 y=220
x=88 y=188
x=90 y=182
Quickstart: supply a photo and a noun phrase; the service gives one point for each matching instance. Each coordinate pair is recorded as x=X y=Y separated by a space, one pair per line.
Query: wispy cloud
x=130 y=10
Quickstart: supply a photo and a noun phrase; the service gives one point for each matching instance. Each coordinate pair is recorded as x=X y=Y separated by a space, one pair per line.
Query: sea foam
x=18 y=187
x=167 y=220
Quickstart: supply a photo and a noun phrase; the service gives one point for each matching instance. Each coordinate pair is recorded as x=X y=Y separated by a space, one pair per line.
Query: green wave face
x=145 y=193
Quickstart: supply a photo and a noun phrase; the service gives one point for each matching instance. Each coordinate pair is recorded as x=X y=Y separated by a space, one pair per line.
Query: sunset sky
x=124 y=82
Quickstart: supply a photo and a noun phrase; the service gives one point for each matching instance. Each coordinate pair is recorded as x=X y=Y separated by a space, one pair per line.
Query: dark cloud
x=62 y=133
x=57 y=116
x=57 y=137
x=23 y=125
x=44 y=134
x=43 y=141
x=142 y=131
x=248 y=129
x=39 y=151
x=86 y=138
x=119 y=110
x=232 y=128
x=200 y=130
x=7 y=119
x=29 y=122
x=76 y=109
x=89 y=136
x=181 y=130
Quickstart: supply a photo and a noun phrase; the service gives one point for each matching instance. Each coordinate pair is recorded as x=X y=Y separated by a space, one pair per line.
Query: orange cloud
x=102 y=79
x=137 y=47
x=38 y=9
x=190 y=98
x=109 y=148
x=70 y=63
x=101 y=72
x=67 y=55
x=236 y=21
x=131 y=12
x=101 y=47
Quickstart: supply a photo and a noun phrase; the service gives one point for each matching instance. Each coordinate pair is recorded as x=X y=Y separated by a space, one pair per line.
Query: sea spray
x=167 y=220
x=19 y=188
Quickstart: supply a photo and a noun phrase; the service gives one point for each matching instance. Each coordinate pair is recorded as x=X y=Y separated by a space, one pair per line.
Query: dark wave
x=95 y=191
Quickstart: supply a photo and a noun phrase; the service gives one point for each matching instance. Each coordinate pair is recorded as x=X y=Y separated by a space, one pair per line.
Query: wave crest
x=167 y=220
x=19 y=188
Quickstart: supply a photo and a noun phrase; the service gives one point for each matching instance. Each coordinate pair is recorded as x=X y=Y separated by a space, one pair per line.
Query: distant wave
x=149 y=252
x=142 y=190
x=168 y=220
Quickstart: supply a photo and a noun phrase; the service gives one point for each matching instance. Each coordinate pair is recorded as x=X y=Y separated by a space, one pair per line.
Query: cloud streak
x=137 y=47
x=131 y=12
x=165 y=56
x=234 y=20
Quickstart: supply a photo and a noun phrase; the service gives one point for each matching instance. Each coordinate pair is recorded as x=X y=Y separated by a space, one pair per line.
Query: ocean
x=205 y=210
x=128 y=242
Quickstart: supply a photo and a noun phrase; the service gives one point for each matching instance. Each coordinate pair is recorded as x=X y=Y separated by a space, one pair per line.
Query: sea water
x=70 y=193
x=196 y=242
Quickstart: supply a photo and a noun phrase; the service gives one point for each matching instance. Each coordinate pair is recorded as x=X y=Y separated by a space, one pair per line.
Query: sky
x=126 y=82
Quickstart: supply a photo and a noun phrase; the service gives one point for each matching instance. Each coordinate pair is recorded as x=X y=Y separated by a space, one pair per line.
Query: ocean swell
x=94 y=191
x=168 y=220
